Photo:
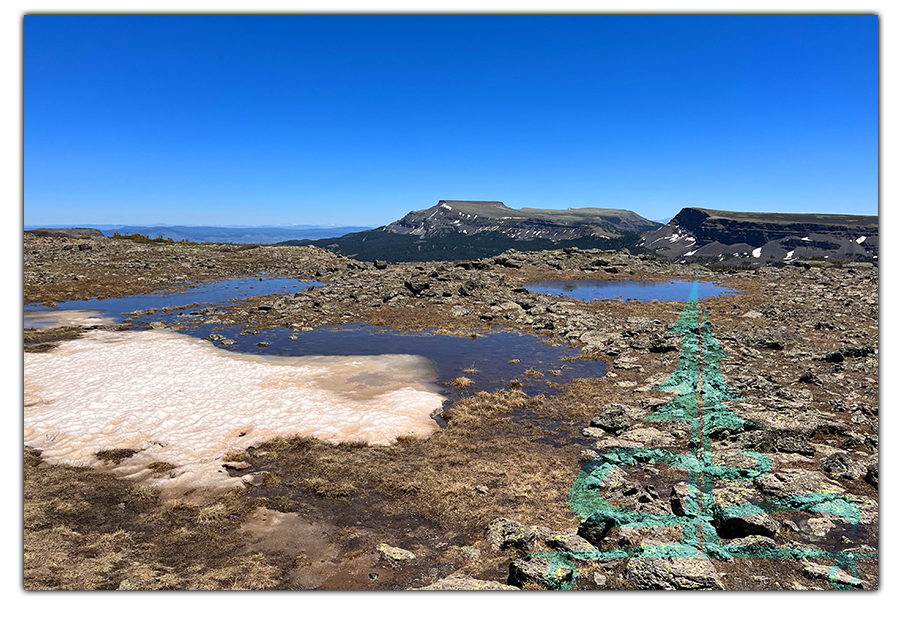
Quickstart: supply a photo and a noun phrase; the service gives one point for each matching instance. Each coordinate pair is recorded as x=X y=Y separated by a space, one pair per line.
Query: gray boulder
x=505 y=533
x=614 y=418
x=670 y=574
x=737 y=527
x=463 y=582
x=839 y=465
x=538 y=571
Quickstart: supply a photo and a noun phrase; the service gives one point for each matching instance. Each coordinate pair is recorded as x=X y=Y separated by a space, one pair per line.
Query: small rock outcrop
x=463 y=582
x=673 y=574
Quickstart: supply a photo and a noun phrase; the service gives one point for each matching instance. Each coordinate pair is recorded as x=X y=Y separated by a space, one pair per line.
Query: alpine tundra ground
x=468 y=505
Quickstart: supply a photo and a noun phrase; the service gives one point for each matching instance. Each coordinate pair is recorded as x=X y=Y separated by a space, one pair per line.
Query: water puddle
x=489 y=361
x=38 y=316
x=644 y=291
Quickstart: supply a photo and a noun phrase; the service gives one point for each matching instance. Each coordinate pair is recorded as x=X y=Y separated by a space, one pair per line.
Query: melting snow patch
x=789 y=255
x=183 y=401
x=76 y=317
x=757 y=252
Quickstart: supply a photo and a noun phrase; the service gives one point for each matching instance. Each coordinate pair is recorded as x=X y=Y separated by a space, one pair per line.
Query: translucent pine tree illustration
x=702 y=394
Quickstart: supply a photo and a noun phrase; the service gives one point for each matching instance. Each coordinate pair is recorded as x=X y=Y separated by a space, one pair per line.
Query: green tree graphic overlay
x=701 y=401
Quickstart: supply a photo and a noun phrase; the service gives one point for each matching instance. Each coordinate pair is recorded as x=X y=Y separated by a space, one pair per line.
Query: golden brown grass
x=85 y=530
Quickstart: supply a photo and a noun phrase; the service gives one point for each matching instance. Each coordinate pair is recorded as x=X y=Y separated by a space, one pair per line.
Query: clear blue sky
x=356 y=120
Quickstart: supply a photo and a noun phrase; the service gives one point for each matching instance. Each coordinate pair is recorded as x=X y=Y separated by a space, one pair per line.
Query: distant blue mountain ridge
x=199 y=233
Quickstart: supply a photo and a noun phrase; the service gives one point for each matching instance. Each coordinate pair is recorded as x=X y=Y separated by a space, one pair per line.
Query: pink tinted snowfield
x=183 y=401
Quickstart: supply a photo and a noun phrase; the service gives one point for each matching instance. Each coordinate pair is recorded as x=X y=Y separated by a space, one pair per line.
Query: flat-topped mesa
x=474 y=217
x=730 y=238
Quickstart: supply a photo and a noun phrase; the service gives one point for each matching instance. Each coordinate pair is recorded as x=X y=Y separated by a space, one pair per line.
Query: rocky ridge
x=759 y=238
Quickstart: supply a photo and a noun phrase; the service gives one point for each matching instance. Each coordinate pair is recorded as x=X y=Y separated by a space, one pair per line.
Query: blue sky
x=356 y=120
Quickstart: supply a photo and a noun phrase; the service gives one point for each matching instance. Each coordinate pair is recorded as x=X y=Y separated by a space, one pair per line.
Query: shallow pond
x=490 y=360
x=205 y=294
x=645 y=291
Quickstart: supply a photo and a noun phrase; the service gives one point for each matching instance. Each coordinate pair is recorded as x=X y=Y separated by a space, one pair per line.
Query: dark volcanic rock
x=872 y=474
x=838 y=465
x=809 y=377
x=614 y=418
x=792 y=444
x=416 y=287
x=505 y=533
x=594 y=528
x=538 y=571
x=857 y=350
x=732 y=238
x=695 y=573
x=737 y=527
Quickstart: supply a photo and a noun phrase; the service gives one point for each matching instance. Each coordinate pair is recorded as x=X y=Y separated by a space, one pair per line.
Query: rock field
x=453 y=512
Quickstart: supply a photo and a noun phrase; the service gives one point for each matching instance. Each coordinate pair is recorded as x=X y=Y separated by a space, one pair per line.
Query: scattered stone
x=589 y=455
x=695 y=573
x=505 y=533
x=872 y=474
x=856 y=350
x=809 y=377
x=795 y=482
x=566 y=542
x=660 y=343
x=416 y=287
x=748 y=525
x=839 y=465
x=463 y=582
x=627 y=363
x=255 y=480
x=396 y=554
x=538 y=571
x=678 y=499
x=795 y=445
x=472 y=553
x=595 y=528
x=834 y=574
x=236 y=465
x=613 y=418
x=753 y=542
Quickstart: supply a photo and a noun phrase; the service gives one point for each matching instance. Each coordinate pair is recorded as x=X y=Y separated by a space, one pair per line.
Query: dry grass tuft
x=116 y=455
x=461 y=382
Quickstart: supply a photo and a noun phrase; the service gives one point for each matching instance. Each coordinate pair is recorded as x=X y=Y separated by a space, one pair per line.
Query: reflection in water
x=491 y=360
x=206 y=294
x=590 y=289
